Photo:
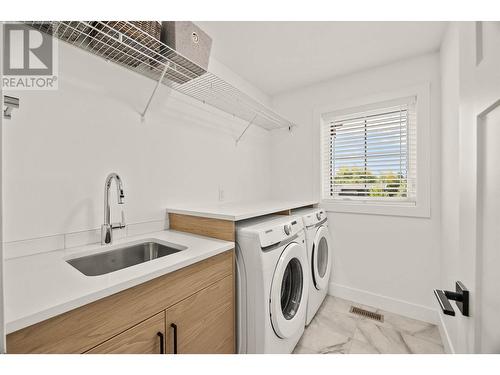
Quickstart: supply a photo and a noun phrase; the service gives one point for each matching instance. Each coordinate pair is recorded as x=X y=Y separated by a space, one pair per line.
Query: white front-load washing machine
x=272 y=284
x=319 y=255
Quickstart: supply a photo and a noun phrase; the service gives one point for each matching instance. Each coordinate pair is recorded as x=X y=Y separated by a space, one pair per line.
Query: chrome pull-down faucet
x=107 y=227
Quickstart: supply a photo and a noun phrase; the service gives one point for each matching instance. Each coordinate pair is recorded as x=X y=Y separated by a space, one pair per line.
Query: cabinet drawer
x=147 y=337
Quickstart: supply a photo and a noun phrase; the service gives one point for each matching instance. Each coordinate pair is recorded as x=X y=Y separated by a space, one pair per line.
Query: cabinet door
x=147 y=337
x=204 y=322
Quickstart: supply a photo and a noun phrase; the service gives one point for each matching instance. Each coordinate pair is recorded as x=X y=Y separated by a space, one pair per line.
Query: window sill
x=377 y=208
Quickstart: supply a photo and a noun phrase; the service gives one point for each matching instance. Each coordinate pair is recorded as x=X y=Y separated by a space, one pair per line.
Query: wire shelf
x=127 y=45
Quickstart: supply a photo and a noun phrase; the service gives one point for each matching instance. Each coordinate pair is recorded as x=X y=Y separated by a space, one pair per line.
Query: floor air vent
x=367 y=314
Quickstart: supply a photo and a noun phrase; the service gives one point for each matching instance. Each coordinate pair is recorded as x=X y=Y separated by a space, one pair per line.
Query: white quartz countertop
x=41 y=286
x=236 y=211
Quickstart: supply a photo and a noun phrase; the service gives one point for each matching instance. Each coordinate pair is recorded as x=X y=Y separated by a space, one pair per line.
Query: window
x=369 y=153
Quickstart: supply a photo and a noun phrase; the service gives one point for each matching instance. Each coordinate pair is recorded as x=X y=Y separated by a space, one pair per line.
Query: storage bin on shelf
x=129 y=43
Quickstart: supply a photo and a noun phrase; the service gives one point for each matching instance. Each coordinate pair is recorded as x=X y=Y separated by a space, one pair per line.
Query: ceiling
x=280 y=56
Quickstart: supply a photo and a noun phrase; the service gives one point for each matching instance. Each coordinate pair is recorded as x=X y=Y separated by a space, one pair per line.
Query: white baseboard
x=445 y=337
x=390 y=304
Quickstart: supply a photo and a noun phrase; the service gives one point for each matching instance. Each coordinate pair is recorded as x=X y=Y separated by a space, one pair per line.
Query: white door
x=485 y=92
x=475 y=260
x=288 y=291
x=321 y=259
x=488 y=250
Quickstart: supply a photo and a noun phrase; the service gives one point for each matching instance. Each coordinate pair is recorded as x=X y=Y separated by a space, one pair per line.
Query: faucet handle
x=121 y=224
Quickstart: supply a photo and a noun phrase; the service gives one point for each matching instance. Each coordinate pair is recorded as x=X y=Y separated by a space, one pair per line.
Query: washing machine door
x=288 y=290
x=321 y=258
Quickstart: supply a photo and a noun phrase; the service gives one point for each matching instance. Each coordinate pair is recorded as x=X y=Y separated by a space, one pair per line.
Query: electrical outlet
x=221 y=193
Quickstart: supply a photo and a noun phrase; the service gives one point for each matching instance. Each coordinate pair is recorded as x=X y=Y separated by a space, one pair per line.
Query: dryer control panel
x=280 y=231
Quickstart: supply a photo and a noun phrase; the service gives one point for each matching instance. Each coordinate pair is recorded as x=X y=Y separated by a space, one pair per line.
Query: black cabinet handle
x=174 y=326
x=162 y=342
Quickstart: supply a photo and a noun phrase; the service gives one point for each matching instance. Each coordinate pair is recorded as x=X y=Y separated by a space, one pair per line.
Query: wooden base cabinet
x=192 y=307
x=204 y=322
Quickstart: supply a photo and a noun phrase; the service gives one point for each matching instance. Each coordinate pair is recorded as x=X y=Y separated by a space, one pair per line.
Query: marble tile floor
x=334 y=330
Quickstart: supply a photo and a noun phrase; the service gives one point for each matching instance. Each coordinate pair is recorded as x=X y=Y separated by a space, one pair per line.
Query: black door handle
x=162 y=342
x=444 y=302
x=460 y=296
x=174 y=326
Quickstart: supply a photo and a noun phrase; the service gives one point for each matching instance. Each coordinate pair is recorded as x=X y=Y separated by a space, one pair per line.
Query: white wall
x=389 y=261
x=61 y=144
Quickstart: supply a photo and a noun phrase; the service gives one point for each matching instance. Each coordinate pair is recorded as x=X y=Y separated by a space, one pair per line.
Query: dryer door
x=321 y=258
x=288 y=299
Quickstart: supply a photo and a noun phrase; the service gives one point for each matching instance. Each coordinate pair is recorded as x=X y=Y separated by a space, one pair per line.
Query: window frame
x=374 y=109
x=421 y=206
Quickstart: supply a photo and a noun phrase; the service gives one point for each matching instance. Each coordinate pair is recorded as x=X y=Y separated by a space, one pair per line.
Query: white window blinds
x=369 y=153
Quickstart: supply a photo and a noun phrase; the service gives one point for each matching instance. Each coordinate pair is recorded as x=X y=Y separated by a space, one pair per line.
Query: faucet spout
x=119 y=186
x=107 y=227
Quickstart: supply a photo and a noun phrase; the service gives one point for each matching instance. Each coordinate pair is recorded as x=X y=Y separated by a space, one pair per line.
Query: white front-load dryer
x=272 y=284
x=319 y=255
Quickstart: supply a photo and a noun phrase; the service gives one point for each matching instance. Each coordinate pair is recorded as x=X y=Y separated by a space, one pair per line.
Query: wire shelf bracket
x=9 y=103
x=123 y=43
x=245 y=130
x=158 y=83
